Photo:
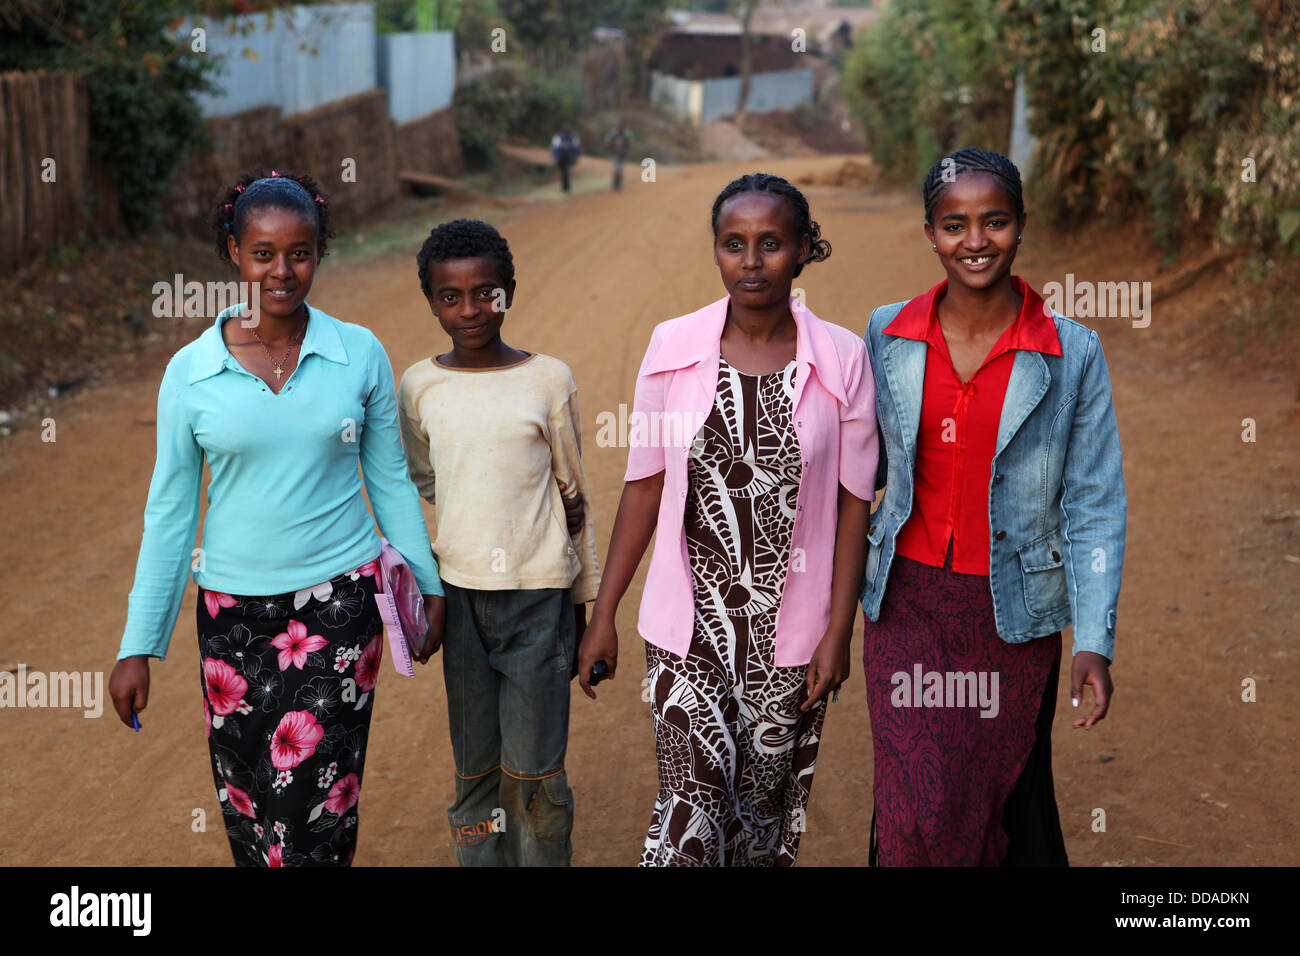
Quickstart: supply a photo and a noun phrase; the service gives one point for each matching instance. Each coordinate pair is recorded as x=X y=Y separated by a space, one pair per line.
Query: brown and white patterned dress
x=736 y=756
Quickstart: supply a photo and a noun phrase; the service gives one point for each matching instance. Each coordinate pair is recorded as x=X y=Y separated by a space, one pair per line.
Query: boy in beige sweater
x=492 y=434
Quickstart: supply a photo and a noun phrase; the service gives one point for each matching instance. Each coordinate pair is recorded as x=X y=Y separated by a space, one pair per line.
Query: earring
x=934 y=247
x=1018 y=240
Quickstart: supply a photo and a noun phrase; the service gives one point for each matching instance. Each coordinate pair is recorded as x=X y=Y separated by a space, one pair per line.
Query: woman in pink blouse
x=752 y=455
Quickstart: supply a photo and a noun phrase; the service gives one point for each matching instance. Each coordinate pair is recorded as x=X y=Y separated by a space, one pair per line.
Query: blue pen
x=135 y=722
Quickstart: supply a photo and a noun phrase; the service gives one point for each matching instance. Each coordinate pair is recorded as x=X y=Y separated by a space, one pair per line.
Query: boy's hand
x=574 y=516
x=435 y=609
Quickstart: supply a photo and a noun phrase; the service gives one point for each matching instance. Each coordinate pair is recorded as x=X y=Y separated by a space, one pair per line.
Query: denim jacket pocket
x=1042 y=571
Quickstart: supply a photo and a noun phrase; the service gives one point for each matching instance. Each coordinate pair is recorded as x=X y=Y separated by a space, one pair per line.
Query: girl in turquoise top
x=282 y=404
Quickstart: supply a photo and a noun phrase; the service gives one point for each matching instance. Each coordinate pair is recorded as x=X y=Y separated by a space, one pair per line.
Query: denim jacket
x=1057 y=507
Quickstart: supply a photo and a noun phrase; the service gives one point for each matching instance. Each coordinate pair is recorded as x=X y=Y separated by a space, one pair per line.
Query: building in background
x=696 y=66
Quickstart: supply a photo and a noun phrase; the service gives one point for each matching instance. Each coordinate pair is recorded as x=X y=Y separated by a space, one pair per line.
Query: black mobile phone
x=599 y=671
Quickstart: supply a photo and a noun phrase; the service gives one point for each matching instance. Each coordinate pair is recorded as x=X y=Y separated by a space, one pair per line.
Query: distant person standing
x=619 y=142
x=565 y=150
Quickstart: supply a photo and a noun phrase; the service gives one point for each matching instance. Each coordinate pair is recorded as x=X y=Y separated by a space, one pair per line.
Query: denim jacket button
x=1000 y=535
x=1056 y=557
x=996 y=479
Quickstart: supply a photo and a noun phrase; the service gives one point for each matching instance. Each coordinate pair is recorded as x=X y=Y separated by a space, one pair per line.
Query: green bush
x=141 y=80
x=1161 y=119
x=928 y=78
x=1138 y=107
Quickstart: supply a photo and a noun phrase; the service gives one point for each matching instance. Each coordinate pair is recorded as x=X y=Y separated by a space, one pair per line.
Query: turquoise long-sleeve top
x=285 y=510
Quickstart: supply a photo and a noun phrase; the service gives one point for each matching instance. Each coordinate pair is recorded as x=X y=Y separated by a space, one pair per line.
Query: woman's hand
x=1094 y=669
x=599 y=643
x=574 y=516
x=128 y=685
x=829 y=667
x=435 y=609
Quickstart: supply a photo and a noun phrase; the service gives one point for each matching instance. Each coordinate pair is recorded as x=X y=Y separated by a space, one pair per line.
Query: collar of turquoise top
x=211 y=354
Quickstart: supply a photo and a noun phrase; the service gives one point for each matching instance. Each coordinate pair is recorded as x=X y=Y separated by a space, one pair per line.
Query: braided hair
x=818 y=248
x=464 y=239
x=972 y=161
x=255 y=189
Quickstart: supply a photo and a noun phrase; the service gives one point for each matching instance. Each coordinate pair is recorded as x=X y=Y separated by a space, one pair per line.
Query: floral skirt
x=288 y=690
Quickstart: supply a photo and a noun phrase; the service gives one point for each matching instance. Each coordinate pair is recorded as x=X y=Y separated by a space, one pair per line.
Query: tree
x=643 y=23
x=551 y=30
x=744 y=10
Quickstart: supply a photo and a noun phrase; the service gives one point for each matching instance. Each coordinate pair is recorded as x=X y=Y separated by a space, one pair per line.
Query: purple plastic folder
x=401 y=605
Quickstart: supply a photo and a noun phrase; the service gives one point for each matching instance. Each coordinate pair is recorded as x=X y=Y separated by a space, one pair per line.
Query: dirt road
x=1186 y=772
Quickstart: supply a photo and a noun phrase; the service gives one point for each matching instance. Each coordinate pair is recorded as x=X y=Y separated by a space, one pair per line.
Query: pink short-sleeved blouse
x=835 y=423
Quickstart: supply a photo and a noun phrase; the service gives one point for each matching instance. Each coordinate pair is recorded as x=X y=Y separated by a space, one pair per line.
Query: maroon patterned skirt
x=961 y=727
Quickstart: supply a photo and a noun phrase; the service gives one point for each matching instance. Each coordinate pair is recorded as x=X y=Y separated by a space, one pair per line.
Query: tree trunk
x=746 y=61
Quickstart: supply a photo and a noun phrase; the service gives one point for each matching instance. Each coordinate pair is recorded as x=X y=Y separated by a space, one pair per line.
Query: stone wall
x=351 y=146
x=431 y=144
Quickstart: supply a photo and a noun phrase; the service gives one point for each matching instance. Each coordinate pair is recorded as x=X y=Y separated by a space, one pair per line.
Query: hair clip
x=274 y=173
x=230 y=205
x=227 y=227
x=239 y=189
x=318 y=198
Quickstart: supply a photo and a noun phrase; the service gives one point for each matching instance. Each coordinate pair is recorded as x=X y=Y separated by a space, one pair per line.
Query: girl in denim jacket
x=1002 y=522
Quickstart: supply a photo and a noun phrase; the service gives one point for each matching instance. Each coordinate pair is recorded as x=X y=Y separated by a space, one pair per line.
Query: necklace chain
x=278 y=367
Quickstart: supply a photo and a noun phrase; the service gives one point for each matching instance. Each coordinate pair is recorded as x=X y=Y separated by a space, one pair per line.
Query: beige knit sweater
x=493 y=442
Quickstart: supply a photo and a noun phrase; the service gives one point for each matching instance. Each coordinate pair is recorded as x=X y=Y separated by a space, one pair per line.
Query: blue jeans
x=506 y=658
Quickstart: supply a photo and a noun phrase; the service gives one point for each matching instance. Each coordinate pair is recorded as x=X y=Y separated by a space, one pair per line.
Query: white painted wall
x=267 y=61
x=707 y=101
x=419 y=72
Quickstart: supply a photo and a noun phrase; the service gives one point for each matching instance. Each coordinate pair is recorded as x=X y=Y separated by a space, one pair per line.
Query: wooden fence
x=45 y=171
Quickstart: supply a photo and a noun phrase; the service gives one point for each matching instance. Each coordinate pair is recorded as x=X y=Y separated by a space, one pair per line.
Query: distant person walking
x=619 y=142
x=565 y=150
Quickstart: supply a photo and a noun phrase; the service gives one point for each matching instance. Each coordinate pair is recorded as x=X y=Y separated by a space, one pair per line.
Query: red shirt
x=958 y=431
